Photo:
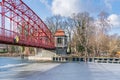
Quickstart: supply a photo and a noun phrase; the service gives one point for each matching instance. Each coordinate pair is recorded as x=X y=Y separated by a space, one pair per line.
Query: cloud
x=68 y=7
x=65 y=7
x=114 y=20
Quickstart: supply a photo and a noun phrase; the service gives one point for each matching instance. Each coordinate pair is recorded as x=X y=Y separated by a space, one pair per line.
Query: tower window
x=59 y=40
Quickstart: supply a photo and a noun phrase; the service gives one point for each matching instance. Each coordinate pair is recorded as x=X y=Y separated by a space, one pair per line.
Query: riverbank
x=9 y=55
x=12 y=55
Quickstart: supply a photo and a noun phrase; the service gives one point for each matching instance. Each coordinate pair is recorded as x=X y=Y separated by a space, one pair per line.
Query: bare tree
x=54 y=23
x=102 y=27
x=69 y=25
x=83 y=31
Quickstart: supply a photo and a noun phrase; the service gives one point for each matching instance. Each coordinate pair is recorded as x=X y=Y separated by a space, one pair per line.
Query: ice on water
x=64 y=71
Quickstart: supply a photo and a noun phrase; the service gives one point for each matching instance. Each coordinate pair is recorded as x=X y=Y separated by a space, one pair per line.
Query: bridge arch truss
x=18 y=20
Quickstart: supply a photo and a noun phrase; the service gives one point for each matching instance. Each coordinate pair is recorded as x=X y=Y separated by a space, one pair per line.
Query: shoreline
x=12 y=55
x=9 y=55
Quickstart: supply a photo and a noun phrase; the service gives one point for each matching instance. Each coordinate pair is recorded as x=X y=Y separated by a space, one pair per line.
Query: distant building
x=60 y=42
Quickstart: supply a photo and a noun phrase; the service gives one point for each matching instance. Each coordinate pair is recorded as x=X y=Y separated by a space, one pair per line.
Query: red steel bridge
x=21 y=26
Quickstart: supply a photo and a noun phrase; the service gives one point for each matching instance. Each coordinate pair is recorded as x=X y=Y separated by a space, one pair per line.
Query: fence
x=81 y=59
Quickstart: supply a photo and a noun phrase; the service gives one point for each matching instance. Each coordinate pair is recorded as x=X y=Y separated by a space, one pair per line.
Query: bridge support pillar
x=35 y=49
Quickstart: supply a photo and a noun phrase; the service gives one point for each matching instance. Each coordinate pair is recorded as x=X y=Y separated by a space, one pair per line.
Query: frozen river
x=63 y=71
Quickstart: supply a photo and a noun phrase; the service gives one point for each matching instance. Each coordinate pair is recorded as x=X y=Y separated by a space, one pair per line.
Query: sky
x=48 y=8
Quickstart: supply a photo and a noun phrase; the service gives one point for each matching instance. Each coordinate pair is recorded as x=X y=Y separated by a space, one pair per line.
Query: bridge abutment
x=42 y=55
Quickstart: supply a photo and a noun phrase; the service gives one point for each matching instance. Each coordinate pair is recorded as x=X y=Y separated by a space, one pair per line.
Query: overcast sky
x=47 y=8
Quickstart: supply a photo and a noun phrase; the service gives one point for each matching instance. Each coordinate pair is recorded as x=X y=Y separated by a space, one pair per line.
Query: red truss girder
x=17 y=19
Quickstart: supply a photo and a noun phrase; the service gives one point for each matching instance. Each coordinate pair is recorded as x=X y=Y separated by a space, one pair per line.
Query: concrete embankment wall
x=43 y=55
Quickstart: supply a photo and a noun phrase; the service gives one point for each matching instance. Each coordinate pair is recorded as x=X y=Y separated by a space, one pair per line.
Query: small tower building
x=60 y=42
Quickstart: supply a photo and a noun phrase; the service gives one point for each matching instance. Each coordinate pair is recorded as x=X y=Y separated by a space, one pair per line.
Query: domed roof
x=60 y=32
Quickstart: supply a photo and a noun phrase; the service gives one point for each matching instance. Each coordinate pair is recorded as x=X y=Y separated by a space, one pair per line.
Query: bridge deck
x=65 y=71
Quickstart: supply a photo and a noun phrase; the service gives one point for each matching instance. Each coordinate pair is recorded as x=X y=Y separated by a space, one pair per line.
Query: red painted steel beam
x=18 y=20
